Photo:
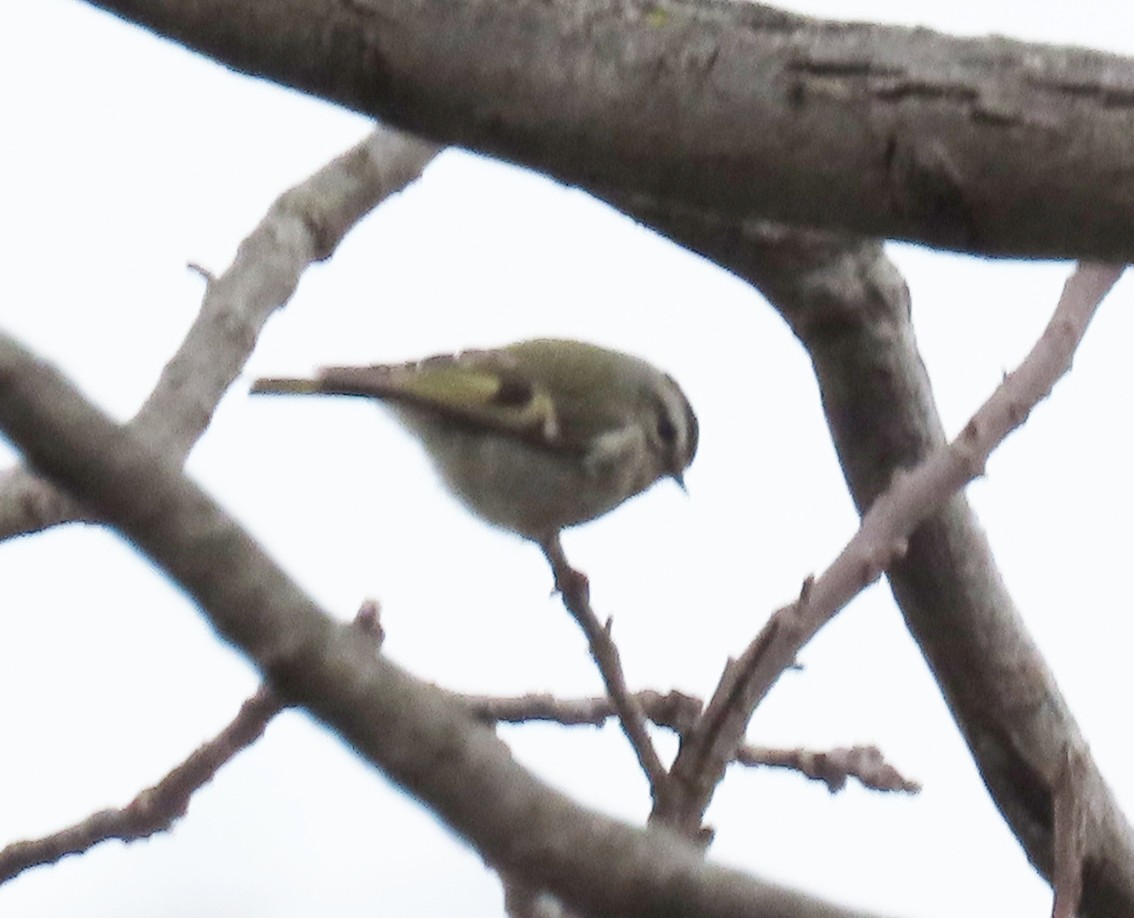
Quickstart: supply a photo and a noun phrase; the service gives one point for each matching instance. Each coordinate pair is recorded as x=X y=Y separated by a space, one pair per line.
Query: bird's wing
x=482 y=389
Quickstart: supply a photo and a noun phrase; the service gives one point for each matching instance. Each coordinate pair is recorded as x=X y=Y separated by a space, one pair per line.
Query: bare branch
x=420 y=737
x=848 y=305
x=304 y=225
x=573 y=587
x=674 y=710
x=1070 y=830
x=521 y=901
x=834 y=766
x=854 y=321
x=990 y=146
x=157 y=808
x=880 y=541
x=679 y=712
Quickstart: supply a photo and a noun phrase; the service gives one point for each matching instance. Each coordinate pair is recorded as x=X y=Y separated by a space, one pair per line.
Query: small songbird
x=534 y=436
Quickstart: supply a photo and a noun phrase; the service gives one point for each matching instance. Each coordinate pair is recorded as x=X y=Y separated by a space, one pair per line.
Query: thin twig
x=420 y=737
x=674 y=710
x=880 y=540
x=833 y=767
x=573 y=587
x=157 y=808
x=678 y=712
x=304 y=225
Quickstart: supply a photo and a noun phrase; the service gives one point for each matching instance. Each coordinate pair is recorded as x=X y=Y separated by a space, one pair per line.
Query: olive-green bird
x=534 y=436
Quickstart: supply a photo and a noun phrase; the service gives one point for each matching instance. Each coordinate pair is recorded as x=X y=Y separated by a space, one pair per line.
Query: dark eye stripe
x=666 y=430
x=514 y=390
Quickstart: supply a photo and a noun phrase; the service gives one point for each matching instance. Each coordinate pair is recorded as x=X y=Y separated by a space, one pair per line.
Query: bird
x=533 y=437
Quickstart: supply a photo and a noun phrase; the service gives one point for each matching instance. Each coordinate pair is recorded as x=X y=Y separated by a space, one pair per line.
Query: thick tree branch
x=1003 y=696
x=988 y=146
x=850 y=308
x=880 y=542
x=304 y=225
x=420 y=737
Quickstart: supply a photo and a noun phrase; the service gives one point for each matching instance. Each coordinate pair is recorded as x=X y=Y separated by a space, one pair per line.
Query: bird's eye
x=666 y=430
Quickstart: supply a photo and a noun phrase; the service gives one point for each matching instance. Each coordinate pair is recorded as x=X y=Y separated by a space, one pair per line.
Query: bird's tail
x=285 y=386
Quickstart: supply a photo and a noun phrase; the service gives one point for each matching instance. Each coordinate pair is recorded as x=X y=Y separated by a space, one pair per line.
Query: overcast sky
x=126 y=157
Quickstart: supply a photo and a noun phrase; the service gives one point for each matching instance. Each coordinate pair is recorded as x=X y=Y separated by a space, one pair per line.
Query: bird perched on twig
x=534 y=436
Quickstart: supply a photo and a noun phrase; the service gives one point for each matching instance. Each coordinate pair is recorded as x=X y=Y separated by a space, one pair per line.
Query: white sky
x=125 y=158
